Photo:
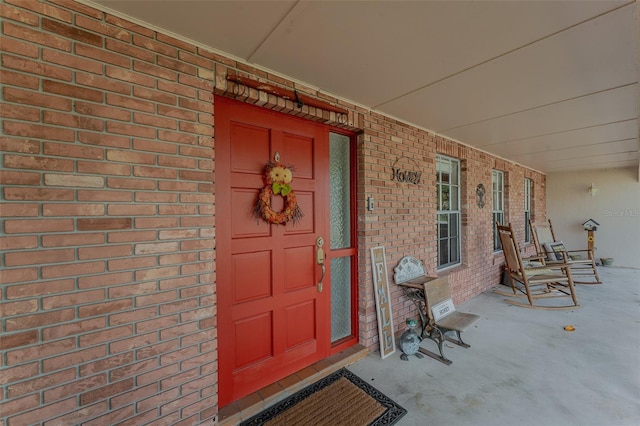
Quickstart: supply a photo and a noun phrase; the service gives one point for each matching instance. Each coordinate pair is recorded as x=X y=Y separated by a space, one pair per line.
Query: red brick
x=177 y=137
x=17 y=405
x=19 y=145
x=133 y=316
x=131 y=236
x=51 y=179
x=71 y=329
x=38 y=131
x=158 y=399
x=178 y=210
x=133 y=369
x=193 y=175
x=38 y=194
x=78 y=209
x=19 y=210
x=154 y=95
x=116 y=416
x=75 y=121
x=184 y=353
x=138 y=341
x=40 y=383
x=44 y=9
x=154 y=350
x=70 y=90
x=130 y=77
x=154 y=299
x=123 y=183
x=183 y=401
x=106 y=364
x=87 y=108
x=154 y=121
x=130 y=130
x=102 y=28
x=101 y=139
x=101 y=55
x=79 y=416
x=20 y=372
x=133 y=262
x=179 y=113
x=38 y=352
x=155 y=172
x=38 y=163
x=13 y=243
x=79 y=357
x=105 y=280
x=77 y=298
x=99 y=195
x=149 y=274
x=18 y=15
x=177 y=282
x=129 y=103
x=38 y=37
x=63 y=240
x=34 y=226
x=71 y=32
x=38 y=320
x=38 y=68
x=46 y=411
x=39 y=257
x=20 y=112
x=15 y=340
x=72 y=270
x=103 y=224
x=157 y=323
x=141 y=223
x=106 y=336
x=154 y=146
x=98 y=309
x=177 y=186
x=131 y=210
x=22 y=275
x=104 y=252
x=179 y=162
x=155 y=248
x=71 y=61
x=18 y=308
x=129 y=398
x=156 y=71
x=155 y=197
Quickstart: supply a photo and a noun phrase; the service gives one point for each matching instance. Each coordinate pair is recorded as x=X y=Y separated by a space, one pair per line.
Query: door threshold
x=252 y=404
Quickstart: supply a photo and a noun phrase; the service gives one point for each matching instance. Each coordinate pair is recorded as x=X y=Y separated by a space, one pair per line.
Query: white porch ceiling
x=552 y=85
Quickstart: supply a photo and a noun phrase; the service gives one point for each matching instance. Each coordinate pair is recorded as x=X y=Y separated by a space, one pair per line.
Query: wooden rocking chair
x=534 y=280
x=553 y=252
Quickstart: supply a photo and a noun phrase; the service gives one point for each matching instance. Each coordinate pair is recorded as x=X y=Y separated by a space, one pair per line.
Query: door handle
x=320 y=260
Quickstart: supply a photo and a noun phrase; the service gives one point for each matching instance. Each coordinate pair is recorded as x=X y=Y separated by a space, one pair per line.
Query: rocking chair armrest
x=578 y=251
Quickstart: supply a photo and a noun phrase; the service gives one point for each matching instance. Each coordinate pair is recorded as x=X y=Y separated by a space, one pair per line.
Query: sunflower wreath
x=277 y=179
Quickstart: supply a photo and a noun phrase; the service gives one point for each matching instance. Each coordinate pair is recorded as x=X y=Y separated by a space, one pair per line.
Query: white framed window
x=527 y=209
x=448 y=216
x=497 y=185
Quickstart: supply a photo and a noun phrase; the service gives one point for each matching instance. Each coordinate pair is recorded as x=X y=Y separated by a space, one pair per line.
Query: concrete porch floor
x=523 y=368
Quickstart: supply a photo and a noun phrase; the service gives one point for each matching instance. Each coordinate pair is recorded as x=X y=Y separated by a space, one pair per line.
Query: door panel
x=272 y=318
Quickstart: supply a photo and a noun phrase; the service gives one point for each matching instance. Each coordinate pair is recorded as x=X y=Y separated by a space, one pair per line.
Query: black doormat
x=341 y=398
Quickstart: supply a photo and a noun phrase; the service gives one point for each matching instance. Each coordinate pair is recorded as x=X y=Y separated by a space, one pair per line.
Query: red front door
x=273 y=317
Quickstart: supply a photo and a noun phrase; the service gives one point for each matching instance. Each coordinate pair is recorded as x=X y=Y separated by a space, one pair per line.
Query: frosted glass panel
x=340 y=298
x=339 y=189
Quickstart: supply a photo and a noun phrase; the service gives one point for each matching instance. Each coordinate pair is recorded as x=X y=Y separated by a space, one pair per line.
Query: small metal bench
x=432 y=297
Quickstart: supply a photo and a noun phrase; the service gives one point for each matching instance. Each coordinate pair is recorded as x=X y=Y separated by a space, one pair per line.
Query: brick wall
x=107 y=282
x=108 y=210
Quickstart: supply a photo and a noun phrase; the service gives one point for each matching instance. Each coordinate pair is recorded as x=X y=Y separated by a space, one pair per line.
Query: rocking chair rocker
x=554 y=252
x=534 y=280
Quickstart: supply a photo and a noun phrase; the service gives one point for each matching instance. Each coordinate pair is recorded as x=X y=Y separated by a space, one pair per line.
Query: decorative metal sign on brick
x=401 y=174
